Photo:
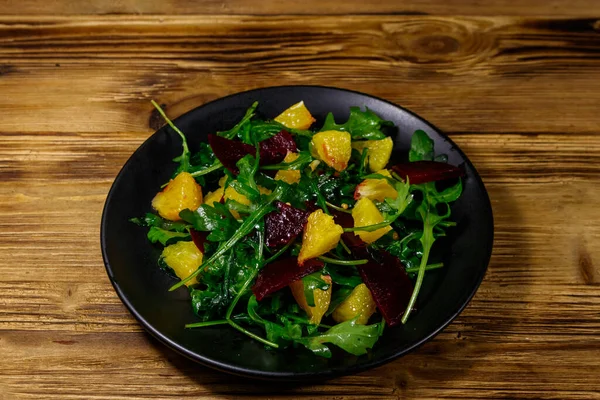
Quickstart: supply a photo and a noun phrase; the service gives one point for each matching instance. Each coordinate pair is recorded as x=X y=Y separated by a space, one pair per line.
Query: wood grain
x=542 y=74
x=297 y=7
x=518 y=95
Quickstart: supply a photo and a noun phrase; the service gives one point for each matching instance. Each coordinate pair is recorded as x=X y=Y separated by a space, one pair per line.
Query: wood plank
x=51 y=364
x=464 y=74
x=272 y=7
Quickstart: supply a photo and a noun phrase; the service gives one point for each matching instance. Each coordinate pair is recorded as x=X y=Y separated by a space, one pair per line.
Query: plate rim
x=293 y=376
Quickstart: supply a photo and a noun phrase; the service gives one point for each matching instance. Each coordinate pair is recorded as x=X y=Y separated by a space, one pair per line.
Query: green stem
x=345 y=246
x=172 y=125
x=342 y=262
x=427 y=268
x=421 y=274
x=279 y=253
x=240 y=294
x=217 y=165
x=207 y=323
x=252 y=335
x=370 y=228
x=340 y=209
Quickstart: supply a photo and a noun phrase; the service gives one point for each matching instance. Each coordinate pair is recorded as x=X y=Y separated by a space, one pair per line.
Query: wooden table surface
x=515 y=83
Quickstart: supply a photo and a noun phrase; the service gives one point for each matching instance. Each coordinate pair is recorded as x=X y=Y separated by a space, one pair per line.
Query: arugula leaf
x=348 y=335
x=421 y=147
x=430 y=217
x=275 y=332
x=216 y=219
x=156 y=234
x=450 y=194
x=154 y=220
x=184 y=158
x=343 y=275
x=245 y=183
x=312 y=282
x=261 y=130
x=230 y=134
x=361 y=124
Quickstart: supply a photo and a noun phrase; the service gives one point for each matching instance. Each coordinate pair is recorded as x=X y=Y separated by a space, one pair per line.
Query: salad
x=303 y=236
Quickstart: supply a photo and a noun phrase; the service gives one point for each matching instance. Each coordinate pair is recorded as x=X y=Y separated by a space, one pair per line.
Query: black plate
x=131 y=261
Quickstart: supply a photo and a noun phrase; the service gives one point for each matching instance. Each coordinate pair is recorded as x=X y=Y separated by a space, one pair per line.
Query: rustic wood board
x=520 y=95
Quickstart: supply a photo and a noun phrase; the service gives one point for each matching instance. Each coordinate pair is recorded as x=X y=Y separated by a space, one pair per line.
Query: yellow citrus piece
x=184 y=258
x=360 y=301
x=376 y=189
x=322 y=299
x=181 y=193
x=366 y=213
x=214 y=196
x=332 y=147
x=288 y=176
x=296 y=117
x=321 y=234
x=378 y=151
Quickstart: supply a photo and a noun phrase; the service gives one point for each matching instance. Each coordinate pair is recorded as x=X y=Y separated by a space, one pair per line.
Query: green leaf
x=184 y=158
x=154 y=220
x=216 y=219
x=343 y=275
x=421 y=147
x=349 y=336
x=428 y=213
x=275 y=332
x=313 y=282
x=245 y=183
x=156 y=234
x=230 y=134
x=361 y=124
x=450 y=194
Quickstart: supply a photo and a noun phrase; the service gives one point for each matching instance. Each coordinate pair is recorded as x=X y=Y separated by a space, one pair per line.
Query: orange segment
x=321 y=234
x=322 y=299
x=296 y=117
x=366 y=213
x=378 y=151
x=181 y=193
x=183 y=258
x=289 y=176
x=332 y=147
x=376 y=189
x=359 y=302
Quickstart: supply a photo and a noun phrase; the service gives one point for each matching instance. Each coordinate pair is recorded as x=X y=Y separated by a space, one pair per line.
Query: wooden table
x=515 y=84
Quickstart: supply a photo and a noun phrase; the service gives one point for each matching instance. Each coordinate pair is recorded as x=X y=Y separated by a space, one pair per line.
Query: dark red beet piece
x=283 y=225
x=427 y=171
x=389 y=284
x=274 y=149
x=229 y=152
x=199 y=238
x=281 y=273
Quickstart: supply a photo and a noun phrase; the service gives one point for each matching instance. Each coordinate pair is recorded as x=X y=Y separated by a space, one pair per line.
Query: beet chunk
x=280 y=273
x=389 y=284
x=284 y=225
x=427 y=171
x=274 y=149
x=229 y=152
